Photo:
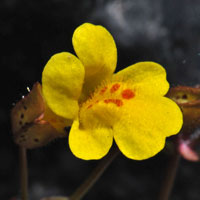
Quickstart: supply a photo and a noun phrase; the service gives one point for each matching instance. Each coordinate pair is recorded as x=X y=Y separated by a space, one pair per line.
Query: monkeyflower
x=128 y=106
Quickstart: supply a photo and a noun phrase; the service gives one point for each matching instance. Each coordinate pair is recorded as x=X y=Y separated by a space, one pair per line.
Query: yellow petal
x=62 y=81
x=144 y=124
x=91 y=135
x=147 y=78
x=96 y=49
x=88 y=143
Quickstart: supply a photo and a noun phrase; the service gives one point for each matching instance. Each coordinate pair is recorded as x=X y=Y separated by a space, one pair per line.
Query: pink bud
x=187 y=152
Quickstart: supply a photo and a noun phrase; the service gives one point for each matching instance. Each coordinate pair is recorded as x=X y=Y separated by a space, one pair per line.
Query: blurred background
x=167 y=32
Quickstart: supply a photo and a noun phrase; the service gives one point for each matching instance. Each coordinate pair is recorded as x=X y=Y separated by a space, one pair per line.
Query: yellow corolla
x=128 y=106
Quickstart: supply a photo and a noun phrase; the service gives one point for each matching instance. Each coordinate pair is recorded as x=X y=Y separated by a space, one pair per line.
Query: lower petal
x=144 y=125
x=88 y=143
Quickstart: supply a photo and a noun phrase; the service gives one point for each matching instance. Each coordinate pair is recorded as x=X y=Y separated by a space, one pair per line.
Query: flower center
x=113 y=93
x=105 y=103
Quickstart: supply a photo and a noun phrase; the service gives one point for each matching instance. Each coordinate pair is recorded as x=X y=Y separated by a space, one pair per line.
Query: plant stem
x=170 y=175
x=94 y=176
x=23 y=173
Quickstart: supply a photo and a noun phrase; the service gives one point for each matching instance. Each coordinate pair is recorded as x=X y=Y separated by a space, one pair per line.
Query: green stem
x=169 y=179
x=94 y=176
x=23 y=173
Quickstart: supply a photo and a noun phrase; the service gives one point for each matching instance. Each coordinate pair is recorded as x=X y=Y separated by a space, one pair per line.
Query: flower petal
x=89 y=144
x=144 y=125
x=62 y=81
x=147 y=77
x=96 y=48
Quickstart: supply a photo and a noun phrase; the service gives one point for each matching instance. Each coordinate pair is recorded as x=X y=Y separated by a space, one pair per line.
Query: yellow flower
x=128 y=106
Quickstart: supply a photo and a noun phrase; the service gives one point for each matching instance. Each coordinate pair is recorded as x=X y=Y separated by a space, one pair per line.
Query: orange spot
x=115 y=87
x=90 y=106
x=102 y=91
x=127 y=94
x=118 y=102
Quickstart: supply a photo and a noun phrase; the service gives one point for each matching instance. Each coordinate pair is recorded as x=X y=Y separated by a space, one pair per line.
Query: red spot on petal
x=90 y=106
x=102 y=91
x=115 y=87
x=127 y=94
x=117 y=102
x=107 y=100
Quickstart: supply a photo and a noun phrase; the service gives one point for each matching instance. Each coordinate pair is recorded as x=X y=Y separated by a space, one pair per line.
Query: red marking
x=115 y=87
x=102 y=91
x=127 y=94
x=90 y=106
x=118 y=102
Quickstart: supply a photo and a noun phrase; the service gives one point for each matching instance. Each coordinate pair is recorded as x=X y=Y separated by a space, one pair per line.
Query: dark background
x=167 y=32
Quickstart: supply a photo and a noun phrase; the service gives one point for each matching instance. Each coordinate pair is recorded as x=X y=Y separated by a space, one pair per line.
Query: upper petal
x=62 y=81
x=147 y=77
x=144 y=125
x=96 y=49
